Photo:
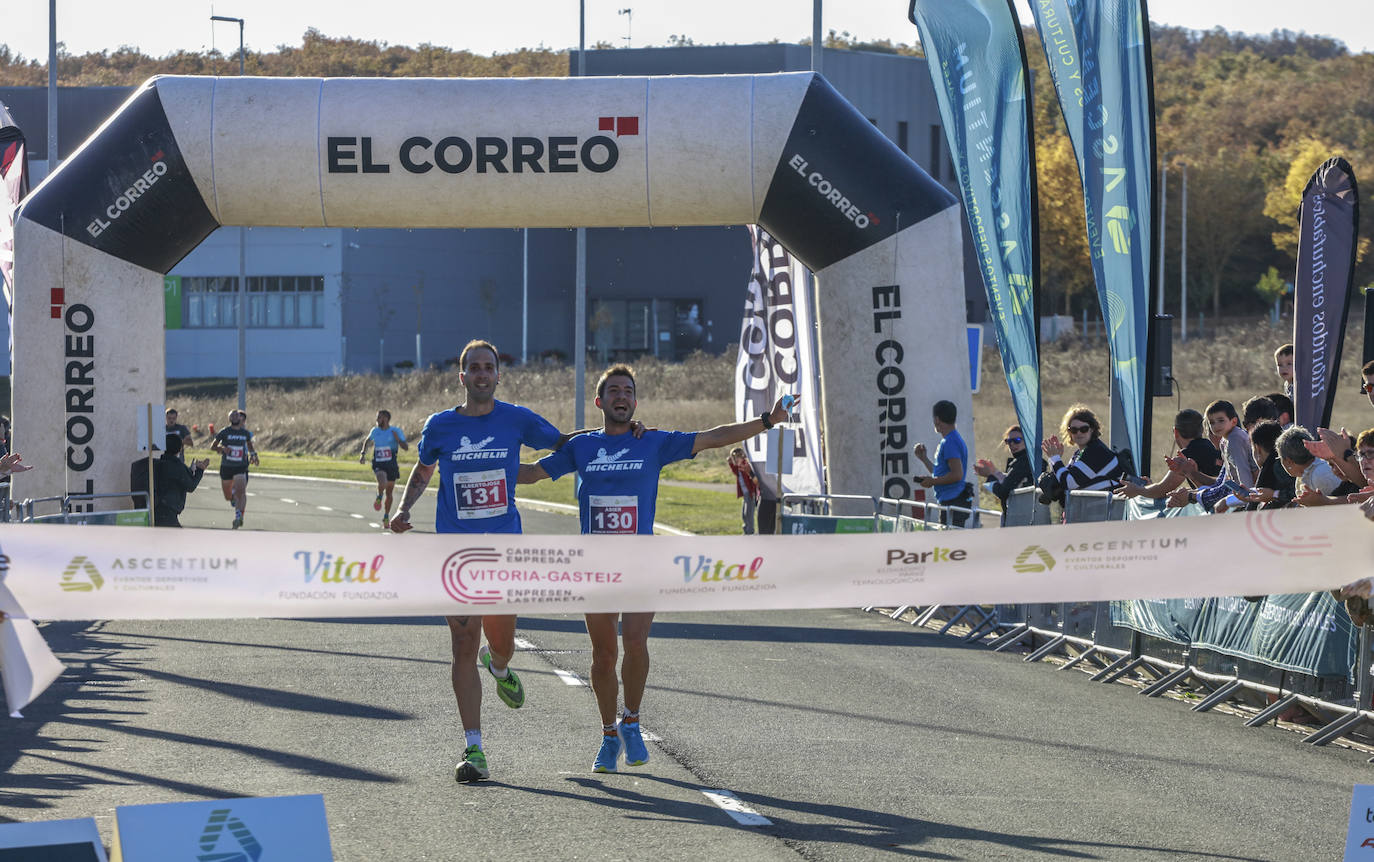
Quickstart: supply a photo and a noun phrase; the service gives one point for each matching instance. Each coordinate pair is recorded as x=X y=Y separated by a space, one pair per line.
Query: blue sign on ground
x=51 y=841
x=224 y=830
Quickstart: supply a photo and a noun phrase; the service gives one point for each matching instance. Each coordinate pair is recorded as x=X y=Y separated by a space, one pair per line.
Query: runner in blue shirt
x=617 y=497
x=476 y=448
x=385 y=439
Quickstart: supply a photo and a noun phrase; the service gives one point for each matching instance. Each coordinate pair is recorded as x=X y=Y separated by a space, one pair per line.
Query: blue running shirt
x=619 y=476
x=479 y=458
x=384 y=445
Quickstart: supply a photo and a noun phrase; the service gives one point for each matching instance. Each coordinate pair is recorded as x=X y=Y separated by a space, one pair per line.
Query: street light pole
x=52 y=86
x=816 y=45
x=580 y=297
x=1163 y=205
x=242 y=314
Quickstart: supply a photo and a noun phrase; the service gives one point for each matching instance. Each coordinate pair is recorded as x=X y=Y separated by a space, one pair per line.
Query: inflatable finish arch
x=185 y=155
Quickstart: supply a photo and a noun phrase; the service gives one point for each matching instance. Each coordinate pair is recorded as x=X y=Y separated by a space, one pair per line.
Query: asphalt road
x=854 y=736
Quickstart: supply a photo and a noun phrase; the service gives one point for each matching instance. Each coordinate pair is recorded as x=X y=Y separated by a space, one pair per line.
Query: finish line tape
x=57 y=572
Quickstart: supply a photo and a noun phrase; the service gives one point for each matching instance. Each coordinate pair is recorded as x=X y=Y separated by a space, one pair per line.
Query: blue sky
x=485 y=27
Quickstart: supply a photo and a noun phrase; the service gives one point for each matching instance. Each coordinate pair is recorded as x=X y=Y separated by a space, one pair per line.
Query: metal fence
x=1083 y=633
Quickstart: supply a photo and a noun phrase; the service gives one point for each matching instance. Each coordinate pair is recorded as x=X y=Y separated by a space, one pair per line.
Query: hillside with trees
x=1252 y=116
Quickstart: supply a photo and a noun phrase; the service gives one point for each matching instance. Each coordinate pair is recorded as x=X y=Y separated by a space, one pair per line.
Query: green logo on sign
x=81 y=576
x=1034 y=559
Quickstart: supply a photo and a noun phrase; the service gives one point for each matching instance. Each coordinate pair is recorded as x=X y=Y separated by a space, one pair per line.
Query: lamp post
x=240 y=316
x=52 y=86
x=580 y=297
x=1163 y=225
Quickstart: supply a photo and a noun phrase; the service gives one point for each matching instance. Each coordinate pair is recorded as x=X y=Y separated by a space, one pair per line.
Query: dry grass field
x=330 y=417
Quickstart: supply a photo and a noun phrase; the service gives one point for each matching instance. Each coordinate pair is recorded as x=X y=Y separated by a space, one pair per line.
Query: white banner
x=63 y=573
x=777 y=356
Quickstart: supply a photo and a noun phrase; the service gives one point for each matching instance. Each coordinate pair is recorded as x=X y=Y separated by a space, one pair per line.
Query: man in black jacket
x=172 y=480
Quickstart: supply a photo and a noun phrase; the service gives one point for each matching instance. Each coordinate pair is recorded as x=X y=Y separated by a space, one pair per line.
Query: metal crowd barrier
x=66 y=515
x=1084 y=634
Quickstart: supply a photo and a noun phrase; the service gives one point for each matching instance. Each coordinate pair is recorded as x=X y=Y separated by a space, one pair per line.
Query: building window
x=902 y=136
x=274 y=302
x=936 y=140
x=625 y=329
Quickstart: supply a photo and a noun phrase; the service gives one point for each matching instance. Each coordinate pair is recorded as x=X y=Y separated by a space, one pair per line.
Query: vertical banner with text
x=777 y=356
x=1099 y=58
x=1330 y=224
x=978 y=66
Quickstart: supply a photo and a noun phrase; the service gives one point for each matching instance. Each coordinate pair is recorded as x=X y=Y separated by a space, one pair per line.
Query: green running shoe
x=473 y=766
x=511 y=692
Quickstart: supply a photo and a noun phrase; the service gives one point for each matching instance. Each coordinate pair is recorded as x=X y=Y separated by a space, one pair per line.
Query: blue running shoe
x=636 y=752
x=607 y=757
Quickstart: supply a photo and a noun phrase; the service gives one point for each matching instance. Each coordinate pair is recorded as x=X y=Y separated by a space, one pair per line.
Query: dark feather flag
x=1321 y=294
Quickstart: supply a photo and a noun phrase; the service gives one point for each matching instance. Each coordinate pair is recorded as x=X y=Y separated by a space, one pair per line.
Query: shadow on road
x=94 y=705
x=857 y=827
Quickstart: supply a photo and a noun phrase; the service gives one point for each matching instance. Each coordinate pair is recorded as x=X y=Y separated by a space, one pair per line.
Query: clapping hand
x=1053 y=447
x=984 y=468
x=1181 y=464
x=1258 y=495
x=10 y=464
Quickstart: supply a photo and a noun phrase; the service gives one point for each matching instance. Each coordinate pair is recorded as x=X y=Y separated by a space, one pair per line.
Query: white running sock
x=500 y=674
x=473 y=737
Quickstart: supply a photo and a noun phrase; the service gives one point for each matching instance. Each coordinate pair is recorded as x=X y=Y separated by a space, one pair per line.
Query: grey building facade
x=328 y=300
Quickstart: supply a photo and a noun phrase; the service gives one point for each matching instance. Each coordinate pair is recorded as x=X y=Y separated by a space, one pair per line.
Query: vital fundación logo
x=487 y=154
x=1033 y=559
x=221 y=819
x=81 y=576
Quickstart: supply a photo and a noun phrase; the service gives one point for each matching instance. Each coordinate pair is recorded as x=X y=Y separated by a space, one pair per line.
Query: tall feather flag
x=1099 y=58
x=977 y=62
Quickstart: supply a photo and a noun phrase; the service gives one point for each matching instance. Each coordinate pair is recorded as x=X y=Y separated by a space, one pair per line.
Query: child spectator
x=1256 y=410
x=1284 y=405
x=1018 y=470
x=948 y=473
x=1204 y=460
x=746 y=487
x=1274 y=488
x=1238 y=460
x=1283 y=365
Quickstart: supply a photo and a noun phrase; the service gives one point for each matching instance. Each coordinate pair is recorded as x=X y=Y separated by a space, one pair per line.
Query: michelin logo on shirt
x=470 y=451
x=604 y=463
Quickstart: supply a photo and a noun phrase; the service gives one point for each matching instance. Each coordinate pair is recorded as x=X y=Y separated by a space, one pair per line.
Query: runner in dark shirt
x=235 y=447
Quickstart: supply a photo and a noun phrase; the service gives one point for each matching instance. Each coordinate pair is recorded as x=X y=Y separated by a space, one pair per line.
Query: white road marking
x=521 y=643
x=650 y=736
x=355 y=515
x=731 y=804
x=251 y=493
x=324 y=508
x=284 y=500
x=569 y=678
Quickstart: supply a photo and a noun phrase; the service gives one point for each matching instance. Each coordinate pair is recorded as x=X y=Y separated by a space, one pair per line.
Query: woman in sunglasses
x=1018 y=471
x=1094 y=467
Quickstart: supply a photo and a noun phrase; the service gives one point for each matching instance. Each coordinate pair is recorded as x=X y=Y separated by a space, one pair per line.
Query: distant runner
x=235 y=447
x=385 y=439
x=618 y=495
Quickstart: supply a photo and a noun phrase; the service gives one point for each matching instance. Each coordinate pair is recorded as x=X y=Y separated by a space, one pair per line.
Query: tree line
x=1252 y=116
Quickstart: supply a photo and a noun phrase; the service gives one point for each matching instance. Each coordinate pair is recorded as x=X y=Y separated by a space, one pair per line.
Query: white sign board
x=146 y=427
